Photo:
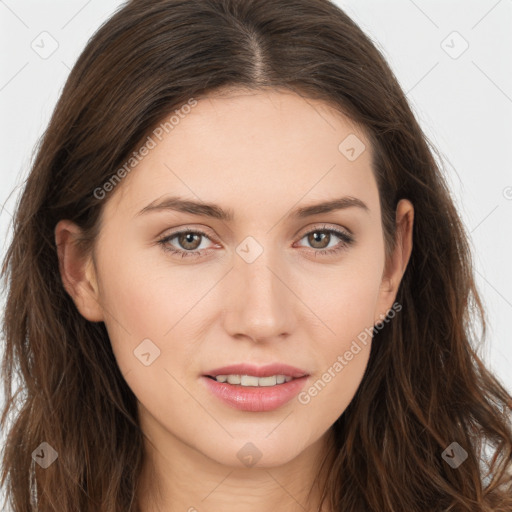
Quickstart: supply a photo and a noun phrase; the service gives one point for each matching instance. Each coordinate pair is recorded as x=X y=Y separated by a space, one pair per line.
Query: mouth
x=255 y=389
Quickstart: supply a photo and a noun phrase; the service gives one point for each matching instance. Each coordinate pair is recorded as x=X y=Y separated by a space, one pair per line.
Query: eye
x=321 y=237
x=190 y=242
x=188 y=239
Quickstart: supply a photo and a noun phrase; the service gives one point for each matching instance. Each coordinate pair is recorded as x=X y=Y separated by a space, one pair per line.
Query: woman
x=238 y=281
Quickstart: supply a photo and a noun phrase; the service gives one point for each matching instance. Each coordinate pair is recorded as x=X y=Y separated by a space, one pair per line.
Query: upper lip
x=258 y=371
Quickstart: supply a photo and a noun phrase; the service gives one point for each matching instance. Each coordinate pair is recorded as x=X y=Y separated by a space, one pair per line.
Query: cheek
x=346 y=308
x=342 y=355
x=330 y=392
x=146 y=307
x=141 y=302
x=140 y=288
x=342 y=298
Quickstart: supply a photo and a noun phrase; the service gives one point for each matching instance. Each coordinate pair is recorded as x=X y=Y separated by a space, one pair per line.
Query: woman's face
x=266 y=286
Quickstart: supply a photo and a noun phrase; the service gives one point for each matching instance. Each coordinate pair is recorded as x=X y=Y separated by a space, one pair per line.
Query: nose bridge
x=260 y=303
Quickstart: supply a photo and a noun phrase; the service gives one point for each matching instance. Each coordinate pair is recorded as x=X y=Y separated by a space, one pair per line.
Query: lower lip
x=255 y=399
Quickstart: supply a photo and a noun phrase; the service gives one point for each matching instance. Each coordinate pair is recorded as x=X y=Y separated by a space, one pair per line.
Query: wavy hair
x=425 y=385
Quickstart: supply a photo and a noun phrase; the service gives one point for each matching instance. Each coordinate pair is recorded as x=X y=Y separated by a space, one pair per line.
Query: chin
x=253 y=452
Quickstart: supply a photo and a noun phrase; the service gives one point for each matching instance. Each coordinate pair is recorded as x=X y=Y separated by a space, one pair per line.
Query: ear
x=77 y=271
x=398 y=260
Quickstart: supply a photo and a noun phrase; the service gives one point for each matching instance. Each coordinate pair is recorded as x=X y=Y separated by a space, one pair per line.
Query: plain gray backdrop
x=452 y=58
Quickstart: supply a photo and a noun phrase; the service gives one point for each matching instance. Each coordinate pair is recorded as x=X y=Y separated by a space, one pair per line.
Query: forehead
x=256 y=147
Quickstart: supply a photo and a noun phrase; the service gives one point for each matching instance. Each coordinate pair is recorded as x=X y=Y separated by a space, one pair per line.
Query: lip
x=255 y=398
x=258 y=371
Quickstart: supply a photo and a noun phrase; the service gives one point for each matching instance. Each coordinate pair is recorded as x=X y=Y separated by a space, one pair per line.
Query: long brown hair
x=425 y=386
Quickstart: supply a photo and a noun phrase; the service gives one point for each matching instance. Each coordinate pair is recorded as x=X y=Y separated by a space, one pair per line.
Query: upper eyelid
x=323 y=226
x=199 y=231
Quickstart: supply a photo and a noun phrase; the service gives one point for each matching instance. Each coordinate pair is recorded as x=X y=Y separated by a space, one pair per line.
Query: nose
x=260 y=304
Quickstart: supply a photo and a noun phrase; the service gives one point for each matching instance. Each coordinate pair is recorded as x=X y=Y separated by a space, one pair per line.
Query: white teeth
x=233 y=379
x=248 y=380
x=267 y=381
x=251 y=380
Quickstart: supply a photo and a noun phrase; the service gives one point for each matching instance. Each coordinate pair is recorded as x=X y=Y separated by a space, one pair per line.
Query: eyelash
x=346 y=241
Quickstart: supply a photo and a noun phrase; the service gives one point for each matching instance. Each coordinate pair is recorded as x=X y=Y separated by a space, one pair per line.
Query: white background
x=464 y=104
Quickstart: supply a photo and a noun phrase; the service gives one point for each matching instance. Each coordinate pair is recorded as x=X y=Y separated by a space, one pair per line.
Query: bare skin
x=261 y=155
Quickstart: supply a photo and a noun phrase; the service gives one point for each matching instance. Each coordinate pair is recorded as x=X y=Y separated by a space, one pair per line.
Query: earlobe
x=77 y=271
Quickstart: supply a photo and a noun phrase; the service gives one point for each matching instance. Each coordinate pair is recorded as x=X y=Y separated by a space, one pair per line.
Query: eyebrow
x=212 y=210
